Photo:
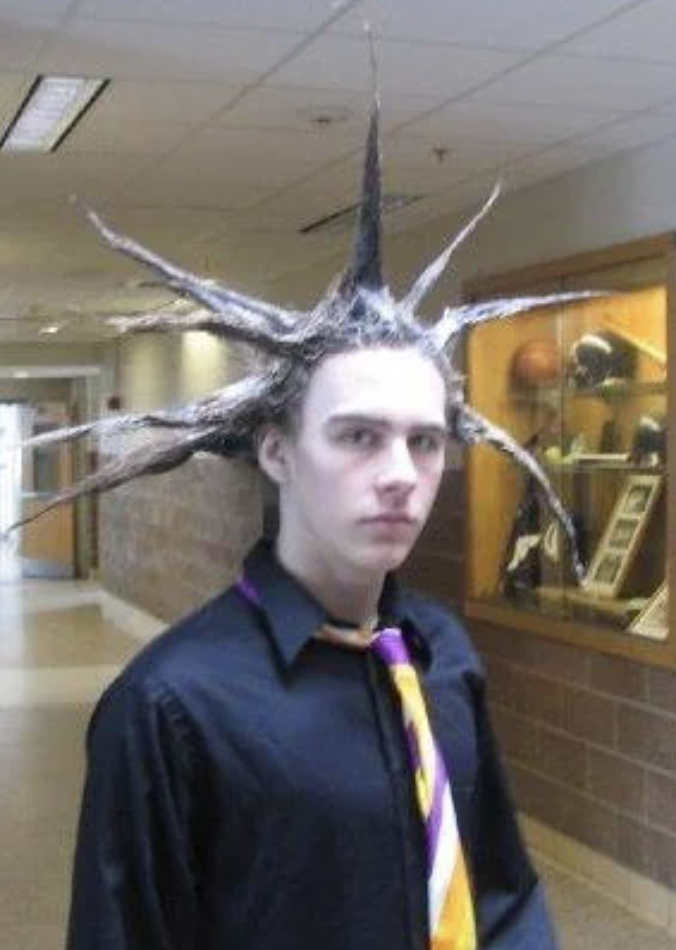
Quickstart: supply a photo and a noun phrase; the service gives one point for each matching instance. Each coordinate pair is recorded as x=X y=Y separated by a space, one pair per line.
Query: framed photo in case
x=653 y=620
x=621 y=538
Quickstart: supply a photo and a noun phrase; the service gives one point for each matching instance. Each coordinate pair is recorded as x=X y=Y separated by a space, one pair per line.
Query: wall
x=590 y=740
x=172 y=542
x=36 y=390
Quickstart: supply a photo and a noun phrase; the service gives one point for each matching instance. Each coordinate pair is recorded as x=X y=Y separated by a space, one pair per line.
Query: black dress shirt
x=248 y=788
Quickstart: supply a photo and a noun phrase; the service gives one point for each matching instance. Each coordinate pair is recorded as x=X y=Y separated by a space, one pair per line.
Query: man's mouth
x=391 y=519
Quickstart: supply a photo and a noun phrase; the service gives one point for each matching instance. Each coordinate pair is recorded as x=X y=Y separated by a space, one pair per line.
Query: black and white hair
x=357 y=312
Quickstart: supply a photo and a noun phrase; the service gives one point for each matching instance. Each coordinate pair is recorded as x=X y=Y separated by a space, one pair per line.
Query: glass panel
x=584 y=388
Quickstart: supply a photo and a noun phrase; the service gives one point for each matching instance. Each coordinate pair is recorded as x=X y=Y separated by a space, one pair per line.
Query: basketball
x=535 y=362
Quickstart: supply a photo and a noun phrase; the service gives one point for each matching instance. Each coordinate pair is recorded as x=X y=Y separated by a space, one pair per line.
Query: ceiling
x=228 y=125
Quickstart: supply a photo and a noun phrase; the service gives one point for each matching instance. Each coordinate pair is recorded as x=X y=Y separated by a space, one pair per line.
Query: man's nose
x=398 y=468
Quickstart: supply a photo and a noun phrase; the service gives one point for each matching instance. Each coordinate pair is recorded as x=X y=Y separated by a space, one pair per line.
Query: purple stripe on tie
x=390 y=647
x=434 y=820
x=413 y=746
x=248 y=592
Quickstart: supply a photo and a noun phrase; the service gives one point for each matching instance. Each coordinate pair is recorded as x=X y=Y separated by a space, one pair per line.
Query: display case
x=583 y=386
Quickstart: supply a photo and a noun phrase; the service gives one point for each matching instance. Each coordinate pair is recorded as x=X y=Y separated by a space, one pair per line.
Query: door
x=47 y=546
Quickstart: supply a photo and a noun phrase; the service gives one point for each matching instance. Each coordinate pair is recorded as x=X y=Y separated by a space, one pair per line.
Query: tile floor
x=56 y=653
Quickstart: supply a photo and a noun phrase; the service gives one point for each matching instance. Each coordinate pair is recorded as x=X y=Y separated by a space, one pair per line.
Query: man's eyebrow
x=351 y=418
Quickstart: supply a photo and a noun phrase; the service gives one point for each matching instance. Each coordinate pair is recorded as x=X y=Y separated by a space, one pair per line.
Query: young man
x=306 y=763
x=249 y=782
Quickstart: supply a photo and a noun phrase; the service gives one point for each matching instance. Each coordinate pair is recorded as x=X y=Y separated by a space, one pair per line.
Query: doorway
x=46 y=546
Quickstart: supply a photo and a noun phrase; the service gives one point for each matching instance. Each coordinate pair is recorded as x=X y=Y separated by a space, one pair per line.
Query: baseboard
x=134 y=621
x=645 y=898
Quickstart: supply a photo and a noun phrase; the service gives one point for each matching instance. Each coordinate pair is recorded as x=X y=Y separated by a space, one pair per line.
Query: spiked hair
x=358 y=311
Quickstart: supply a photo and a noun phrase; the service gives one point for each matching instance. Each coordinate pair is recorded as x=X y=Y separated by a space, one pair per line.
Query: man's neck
x=345 y=594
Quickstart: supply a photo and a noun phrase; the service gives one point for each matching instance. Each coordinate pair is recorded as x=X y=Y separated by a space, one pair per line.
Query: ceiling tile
x=584 y=83
x=550 y=163
x=56 y=178
x=147 y=224
x=467 y=196
x=515 y=25
x=292 y=109
x=646 y=32
x=147 y=50
x=414 y=166
x=197 y=186
x=340 y=62
x=21 y=41
x=12 y=11
x=224 y=254
x=302 y=15
x=13 y=89
x=630 y=132
x=322 y=194
x=480 y=121
x=184 y=103
x=265 y=148
x=121 y=138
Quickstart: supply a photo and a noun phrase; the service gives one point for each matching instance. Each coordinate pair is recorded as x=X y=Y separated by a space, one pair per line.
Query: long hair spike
x=432 y=273
x=204 y=291
x=366 y=268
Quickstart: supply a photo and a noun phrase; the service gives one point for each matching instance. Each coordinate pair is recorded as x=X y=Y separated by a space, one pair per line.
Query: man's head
x=359 y=465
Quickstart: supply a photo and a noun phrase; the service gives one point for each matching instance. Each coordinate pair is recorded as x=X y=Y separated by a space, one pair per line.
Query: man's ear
x=273 y=448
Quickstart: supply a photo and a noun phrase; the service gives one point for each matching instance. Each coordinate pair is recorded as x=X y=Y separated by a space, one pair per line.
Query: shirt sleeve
x=134 y=882
x=512 y=913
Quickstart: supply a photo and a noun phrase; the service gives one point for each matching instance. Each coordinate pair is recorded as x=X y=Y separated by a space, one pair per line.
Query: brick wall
x=169 y=543
x=589 y=739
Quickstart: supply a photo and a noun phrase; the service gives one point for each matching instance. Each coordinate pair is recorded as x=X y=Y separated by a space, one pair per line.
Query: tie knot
x=390 y=646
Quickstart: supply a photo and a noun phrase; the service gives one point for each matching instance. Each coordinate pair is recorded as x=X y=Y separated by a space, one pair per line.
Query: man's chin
x=386 y=558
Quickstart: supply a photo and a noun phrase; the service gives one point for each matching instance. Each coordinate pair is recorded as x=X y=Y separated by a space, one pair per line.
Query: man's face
x=362 y=470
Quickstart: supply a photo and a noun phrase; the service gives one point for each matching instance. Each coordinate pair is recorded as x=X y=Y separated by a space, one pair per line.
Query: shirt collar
x=293 y=615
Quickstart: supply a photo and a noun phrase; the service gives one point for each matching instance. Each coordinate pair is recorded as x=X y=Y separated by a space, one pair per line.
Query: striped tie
x=451 y=912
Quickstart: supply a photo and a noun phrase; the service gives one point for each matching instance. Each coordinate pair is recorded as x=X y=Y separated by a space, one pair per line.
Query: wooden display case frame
x=543 y=278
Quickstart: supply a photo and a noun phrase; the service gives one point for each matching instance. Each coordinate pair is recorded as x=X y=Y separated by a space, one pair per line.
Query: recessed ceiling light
x=54 y=328
x=49 y=112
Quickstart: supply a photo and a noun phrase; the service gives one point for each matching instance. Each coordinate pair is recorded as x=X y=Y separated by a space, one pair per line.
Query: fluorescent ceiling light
x=54 y=328
x=51 y=109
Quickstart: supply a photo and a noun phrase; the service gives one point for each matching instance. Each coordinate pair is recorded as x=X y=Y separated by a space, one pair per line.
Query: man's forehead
x=394 y=386
x=386 y=371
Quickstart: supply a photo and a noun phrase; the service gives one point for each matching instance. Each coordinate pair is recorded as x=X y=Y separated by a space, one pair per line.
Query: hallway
x=56 y=654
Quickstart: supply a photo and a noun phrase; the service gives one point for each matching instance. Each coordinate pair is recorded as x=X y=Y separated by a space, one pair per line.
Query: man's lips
x=391 y=519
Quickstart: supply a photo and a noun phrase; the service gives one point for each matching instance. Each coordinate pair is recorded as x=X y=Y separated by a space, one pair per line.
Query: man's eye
x=360 y=438
x=426 y=444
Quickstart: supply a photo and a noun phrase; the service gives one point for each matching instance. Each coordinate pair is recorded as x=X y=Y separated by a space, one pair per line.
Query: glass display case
x=584 y=386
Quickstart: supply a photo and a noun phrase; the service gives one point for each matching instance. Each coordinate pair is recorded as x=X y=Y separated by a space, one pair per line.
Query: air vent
x=346 y=218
